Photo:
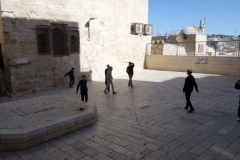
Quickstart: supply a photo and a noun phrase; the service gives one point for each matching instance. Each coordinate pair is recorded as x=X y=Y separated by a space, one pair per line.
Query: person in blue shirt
x=82 y=84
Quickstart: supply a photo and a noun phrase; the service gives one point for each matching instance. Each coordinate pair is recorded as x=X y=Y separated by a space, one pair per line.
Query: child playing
x=83 y=89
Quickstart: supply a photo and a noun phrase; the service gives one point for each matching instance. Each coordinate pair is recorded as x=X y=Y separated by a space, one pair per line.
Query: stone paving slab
x=148 y=121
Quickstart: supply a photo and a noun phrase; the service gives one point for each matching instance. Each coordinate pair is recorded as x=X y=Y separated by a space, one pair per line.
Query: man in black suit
x=188 y=88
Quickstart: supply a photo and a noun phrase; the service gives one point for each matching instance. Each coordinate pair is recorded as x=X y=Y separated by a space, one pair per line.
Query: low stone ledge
x=20 y=139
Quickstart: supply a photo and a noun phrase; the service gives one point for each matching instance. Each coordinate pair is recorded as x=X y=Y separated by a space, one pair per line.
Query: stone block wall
x=110 y=40
x=2 y=82
x=167 y=49
x=213 y=65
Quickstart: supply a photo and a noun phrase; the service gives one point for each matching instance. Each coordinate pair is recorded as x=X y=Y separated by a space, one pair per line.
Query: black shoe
x=114 y=92
x=81 y=109
x=185 y=107
x=191 y=110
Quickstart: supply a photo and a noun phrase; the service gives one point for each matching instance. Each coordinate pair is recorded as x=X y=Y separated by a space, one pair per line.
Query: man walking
x=106 y=70
x=188 y=88
x=109 y=80
x=71 y=76
x=129 y=71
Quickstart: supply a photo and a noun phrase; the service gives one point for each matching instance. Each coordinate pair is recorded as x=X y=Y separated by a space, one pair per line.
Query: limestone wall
x=212 y=65
x=167 y=49
x=110 y=39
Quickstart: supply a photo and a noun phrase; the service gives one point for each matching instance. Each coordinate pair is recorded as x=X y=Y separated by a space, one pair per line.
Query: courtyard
x=148 y=121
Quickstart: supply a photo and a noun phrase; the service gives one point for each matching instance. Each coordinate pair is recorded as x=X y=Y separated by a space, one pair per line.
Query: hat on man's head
x=189 y=70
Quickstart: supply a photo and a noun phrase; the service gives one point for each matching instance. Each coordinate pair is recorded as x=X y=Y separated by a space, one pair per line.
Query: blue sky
x=222 y=16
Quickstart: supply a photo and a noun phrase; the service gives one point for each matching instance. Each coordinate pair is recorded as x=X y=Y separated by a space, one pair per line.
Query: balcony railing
x=200 y=48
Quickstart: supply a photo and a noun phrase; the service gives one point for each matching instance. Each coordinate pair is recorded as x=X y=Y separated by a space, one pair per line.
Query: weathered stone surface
x=214 y=65
x=110 y=39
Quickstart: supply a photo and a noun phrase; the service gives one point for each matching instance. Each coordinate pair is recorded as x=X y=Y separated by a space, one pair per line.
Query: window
x=59 y=39
x=43 y=40
x=74 y=40
x=200 y=48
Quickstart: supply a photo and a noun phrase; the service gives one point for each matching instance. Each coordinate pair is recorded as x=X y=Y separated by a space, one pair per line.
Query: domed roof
x=189 y=30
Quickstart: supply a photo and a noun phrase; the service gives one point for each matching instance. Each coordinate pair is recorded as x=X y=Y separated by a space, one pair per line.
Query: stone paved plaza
x=147 y=121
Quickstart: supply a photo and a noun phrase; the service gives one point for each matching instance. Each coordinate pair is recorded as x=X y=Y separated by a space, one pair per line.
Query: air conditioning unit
x=137 y=28
x=147 y=29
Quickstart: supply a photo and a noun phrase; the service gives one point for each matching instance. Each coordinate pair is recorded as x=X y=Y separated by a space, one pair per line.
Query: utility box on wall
x=137 y=28
x=148 y=28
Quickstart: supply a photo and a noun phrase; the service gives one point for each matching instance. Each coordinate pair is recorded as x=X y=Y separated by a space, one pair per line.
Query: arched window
x=58 y=41
x=200 y=48
x=43 y=39
x=74 y=43
x=74 y=40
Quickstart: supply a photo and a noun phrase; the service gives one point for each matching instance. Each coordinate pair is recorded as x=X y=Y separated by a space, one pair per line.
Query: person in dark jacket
x=71 y=76
x=237 y=86
x=106 y=70
x=82 y=84
x=129 y=71
x=188 y=88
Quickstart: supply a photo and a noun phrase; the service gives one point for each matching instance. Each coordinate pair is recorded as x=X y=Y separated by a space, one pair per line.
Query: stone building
x=43 y=40
x=193 y=42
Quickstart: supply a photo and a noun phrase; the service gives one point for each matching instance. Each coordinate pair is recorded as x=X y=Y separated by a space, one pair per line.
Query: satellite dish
x=181 y=37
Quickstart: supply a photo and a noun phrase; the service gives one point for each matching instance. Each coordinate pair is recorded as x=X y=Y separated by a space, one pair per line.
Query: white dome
x=189 y=30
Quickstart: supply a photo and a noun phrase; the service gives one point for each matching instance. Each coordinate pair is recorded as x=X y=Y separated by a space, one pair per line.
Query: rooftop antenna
x=159 y=30
x=235 y=32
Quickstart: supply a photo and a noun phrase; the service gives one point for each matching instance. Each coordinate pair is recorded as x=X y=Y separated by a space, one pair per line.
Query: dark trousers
x=71 y=81
x=239 y=108
x=84 y=93
x=130 y=79
x=188 y=95
x=106 y=84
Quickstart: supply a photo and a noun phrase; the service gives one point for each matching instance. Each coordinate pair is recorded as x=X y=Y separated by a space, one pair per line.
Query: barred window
x=57 y=41
x=42 y=43
x=74 y=40
x=59 y=37
x=43 y=39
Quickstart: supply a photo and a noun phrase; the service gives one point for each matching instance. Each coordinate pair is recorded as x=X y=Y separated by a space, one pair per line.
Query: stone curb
x=20 y=139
